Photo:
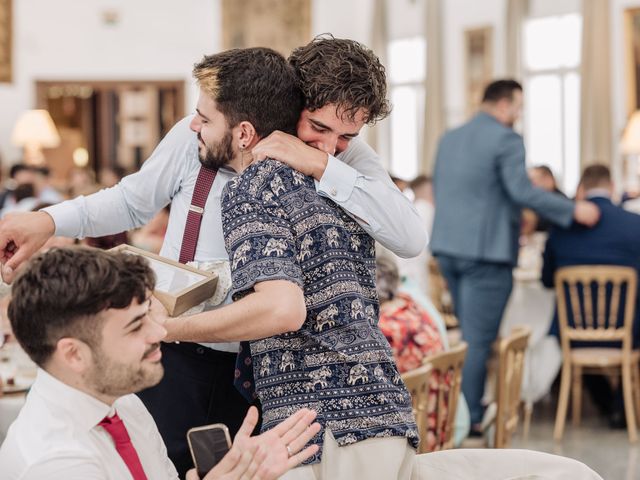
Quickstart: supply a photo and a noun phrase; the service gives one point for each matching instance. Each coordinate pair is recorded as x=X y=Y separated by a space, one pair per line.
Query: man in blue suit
x=613 y=241
x=481 y=185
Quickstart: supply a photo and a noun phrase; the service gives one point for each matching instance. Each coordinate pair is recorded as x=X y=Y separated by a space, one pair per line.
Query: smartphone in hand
x=208 y=444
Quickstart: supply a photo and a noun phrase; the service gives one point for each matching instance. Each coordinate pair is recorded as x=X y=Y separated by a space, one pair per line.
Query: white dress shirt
x=56 y=437
x=355 y=180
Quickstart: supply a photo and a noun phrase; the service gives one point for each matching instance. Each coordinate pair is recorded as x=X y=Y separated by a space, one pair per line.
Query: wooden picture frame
x=6 y=41
x=478 y=63
x=632 y=58
x=179 y=287
x=278 y=24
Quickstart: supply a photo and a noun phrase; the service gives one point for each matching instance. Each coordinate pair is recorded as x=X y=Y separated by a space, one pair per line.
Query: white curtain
x=379 y=41
x=517 y=11
x=596 y=144
x=434 y=118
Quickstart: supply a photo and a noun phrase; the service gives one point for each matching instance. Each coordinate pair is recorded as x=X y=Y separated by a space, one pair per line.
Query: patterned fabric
x=338 y=363
x=243 y=373
x=411 y=332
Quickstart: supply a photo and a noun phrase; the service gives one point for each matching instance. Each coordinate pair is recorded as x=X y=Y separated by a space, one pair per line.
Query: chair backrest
x=511 y=352
x=592 y=297
x=417 y=382
x=440 y=295
x=445 y=378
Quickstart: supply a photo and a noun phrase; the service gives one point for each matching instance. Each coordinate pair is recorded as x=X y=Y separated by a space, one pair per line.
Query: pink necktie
x=206 y=176
x=115 y=427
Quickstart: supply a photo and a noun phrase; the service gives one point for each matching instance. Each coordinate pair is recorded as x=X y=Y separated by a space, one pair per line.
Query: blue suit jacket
x=615 y=240
x=480 y=185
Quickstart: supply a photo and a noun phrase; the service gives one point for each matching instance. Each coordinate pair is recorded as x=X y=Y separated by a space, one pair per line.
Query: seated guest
x=411 y=332
x=149 y=237
x=541 y=176
x=86 y=318
x=613 y=241
x=414 y=330
x=422 y=188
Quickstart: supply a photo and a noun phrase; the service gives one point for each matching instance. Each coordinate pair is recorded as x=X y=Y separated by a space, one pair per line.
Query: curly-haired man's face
x=327 y=130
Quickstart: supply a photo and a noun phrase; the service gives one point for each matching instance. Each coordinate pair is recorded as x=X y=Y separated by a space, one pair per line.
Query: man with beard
x=303 y=285
x=198 y=384
x=84 y=317
x=481 y=185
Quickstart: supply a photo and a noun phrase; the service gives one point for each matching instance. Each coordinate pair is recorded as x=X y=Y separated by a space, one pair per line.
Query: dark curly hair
x=62 y=292
x=343 y=73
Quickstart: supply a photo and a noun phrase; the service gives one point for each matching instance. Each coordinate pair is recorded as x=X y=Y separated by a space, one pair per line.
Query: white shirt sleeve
x=65 y=467
x=361 y=186
x=137 y=198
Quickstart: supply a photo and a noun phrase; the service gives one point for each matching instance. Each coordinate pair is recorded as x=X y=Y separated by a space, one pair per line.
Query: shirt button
x=333 y=192
x=200 y=350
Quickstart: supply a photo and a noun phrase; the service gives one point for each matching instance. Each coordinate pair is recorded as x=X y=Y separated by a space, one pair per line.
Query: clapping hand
x=269 y=455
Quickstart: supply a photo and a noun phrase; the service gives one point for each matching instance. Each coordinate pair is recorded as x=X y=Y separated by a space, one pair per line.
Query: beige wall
x=162 y=39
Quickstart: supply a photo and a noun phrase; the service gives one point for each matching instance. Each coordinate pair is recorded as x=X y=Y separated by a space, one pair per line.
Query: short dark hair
x=61 y=293
x=44 y=171
x=344 y=73
x=25 y=190
x=595 y=176
x=500 y=89
x=545 y=169
x=255 y=85
x=419 y=181
x=17 y=168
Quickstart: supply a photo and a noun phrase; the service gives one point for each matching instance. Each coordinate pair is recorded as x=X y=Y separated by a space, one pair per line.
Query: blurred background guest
x=480 y=186
x=410 y=330
x=414 y=328
x=81 y=181
x=109 y=176
x=613 y=241
x=541 y=176
x=422 y=188
x=149 y=237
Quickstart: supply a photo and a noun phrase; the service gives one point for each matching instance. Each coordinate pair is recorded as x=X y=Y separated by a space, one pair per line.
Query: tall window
x=552 y=95
x=406 y=76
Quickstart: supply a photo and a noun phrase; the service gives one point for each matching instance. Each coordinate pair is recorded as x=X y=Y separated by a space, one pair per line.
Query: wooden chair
x=440 y=295
x=444 y=374
x=417 y=382
x=594 y=295
x=511 y=352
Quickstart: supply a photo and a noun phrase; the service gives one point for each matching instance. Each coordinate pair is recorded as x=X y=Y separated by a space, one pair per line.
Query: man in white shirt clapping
x=86 y=318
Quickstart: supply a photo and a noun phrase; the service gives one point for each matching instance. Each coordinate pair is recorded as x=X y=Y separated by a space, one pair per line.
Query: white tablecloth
x=533 y=305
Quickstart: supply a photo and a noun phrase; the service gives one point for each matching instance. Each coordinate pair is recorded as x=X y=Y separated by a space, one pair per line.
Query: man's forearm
x=261 y=314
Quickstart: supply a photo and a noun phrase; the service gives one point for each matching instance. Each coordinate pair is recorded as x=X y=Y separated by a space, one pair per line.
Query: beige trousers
x=372 y=459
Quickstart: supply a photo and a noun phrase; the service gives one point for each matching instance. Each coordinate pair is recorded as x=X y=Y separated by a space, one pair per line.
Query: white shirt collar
x=598 y=192
x=85 y=410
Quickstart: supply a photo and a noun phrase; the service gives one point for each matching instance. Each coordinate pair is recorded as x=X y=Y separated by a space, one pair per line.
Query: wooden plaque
x=6 y=44
x=179 y=287
x=278 y=24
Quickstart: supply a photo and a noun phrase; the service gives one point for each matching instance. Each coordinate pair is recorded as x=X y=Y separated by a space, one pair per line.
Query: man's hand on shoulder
x=293 y=152
x=587 y=213
x=22 y=235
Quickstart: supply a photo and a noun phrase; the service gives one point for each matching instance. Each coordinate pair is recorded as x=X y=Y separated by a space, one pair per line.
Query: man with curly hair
x=201 y=368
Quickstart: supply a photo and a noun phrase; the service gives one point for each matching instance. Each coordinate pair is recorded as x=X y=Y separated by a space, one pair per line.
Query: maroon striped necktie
x=206 y=176
x=115 y=427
